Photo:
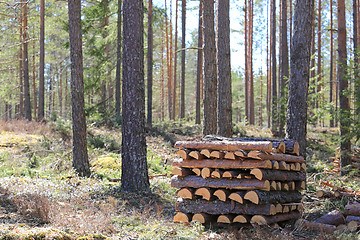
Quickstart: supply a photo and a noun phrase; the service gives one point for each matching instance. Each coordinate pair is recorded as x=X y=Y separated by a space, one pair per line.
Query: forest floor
x=42 y=198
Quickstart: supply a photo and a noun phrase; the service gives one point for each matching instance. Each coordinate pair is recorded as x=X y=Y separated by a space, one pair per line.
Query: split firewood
x=278 y=186
x=228 y=218
x=279 y=208
x=267 y=220
x=205 y=152
x=230 y=156
x=314 y=226
x=276 y=156
x=242 y=219
x=217 y=173
x=197 y=171
x=303 y=167
x=184 y=154
x=261 y=197
x=275 y=165
x=206 y=172
x=198 y=182
x=285 y=209
x=230 y=174
x=280 y=148
x=265 y=146
x=238 y=196
x=222 y=194
x=223 y=164
x=292 y=186
x=196 y=155
x=205 y=193
x=264 y=174
x=240 y=153
x=186 y=193
x=284 y=186
x=332 y=218
x=217 y=154
x=182 y=217
x=202 y=218
x=273 y=186
x=352 y=209
x=244 y=175
x=182 y=172
x=284 y=166
x=218 y=207
x=292 y=167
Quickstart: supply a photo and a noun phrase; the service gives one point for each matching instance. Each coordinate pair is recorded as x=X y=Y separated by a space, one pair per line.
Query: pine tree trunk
x=183 y=35
x=298 y=86
x=118 y=62
x=356 y=58
x=134 y=176
x=224 y=70
x=268 y=77
x=34 y=83
x=250 y=55
x=332 y=114
x=80 y=157
x=149 y=65
x=199 y=68
x=21 y=72
x=345 y=145
x=41 y=113
x=210 y=81
x=162 y=88
x=273 y=69
x=175 y=61
x=319 y=73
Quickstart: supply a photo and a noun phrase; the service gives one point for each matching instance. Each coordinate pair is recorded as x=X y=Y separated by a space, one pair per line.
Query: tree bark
x=352 y=209
x=299 y=78
x=199 y=68
x=27 y=103
x=263 y=197
x=134 y=177
x=332 y=218
x=149 y=65
x=210 y=73
x=224 y=101
x=320 y=227
x=331 y=77
x=80 y=155
x=345 y=144
x=274 y=113
x=278 y=175
x=267 y=220
x=183 y=45
x=175 y=61
x=118 y=62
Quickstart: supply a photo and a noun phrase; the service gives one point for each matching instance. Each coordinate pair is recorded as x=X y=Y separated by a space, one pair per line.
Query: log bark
x=352 y=218
x=182 y=217
x=332 y=218
x=275 y=156
x=238 y=196
x=262 y=197
x=267 y=220
x=352 y=209
x=325 y=194
x=223 y=164
x=264 y=174
x=186 y=193
x=218 y=207
x=314 y=226
x=265 y=146
x=199 y=182
x=182 y=172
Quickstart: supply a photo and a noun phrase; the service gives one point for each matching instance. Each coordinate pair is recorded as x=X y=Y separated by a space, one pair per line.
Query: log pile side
x=355 y=161
x=238 y=181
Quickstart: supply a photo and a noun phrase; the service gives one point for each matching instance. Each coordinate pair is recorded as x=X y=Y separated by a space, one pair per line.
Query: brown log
x=205 y=152
x=230 y=174
x=292 y=167
x=284 y=166
x=274 y=186
x=196 y=155
x=240 y=153
x=217 y=154
x=300 y=185
x=227 y=218
x=182 y=217
x=278 y=186
x=184 y=154
x=332 y=218
x=244 y=175
x=314 y=226
x=261 y=197
x=223 y=164
x=237 y=196
x=202 y=218
x=279 y=208
x=230 y=156
x=198 y=182
x=325 y=194
x=218 y=207
x=281 y=148
x=285 y=186
x=285 y=209
x=353 y=226
x=264 y=174
x=186 y=193
x=265 y=146
x=197 y=171
x=182 y=172
x=267 y=220
x=300 y=207
x=303 y=167
x=352 y=209
x=297 y=167
x=242 y=219
x=206 y=172
x=352 y=218
x=205 y=193
x=222 y=194
x=217 y=173
x=276 y=156
x=275 y=165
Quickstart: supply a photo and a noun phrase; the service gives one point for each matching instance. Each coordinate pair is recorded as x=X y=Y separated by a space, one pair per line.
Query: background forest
x=38 y=184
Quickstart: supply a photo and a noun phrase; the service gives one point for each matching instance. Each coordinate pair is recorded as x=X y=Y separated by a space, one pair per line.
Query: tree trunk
x=356 y=58
x=149 y=65
x=182 y=90
x=224 y=124
x=250 y=68
x=299 y=78
x=332 y=113
x=34 y=83
x=162 y=87
x=199 y=69
x=319 y=73
x=118 y=62
x=345 y=145
x=80 y=156
x=267 y=220
x=274 y=113
x=175 y=62
x=134 y=166
x=332 y=218
x=263 y=197
x=41 y=113
x=268 y=65
x=210 y=81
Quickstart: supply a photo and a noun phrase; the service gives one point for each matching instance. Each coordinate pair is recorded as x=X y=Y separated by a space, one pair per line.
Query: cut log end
x=201 y=217
x=252 y=196
x=241 y=219
x=236 y=197
x=205 y=152
x=182 y=217
x=186 y=193
x=204 y=192
x=221 y=194
x=206 y=172
x=196 y=155
x=225 y=219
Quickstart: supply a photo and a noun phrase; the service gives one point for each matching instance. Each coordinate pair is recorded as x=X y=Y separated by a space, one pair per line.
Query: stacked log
x=355 y=161
x=352 y=214
x=238 y=181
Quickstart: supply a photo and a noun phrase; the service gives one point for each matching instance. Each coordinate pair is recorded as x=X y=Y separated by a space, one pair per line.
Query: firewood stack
x=352 y=213
x=355 y=159
x=236 y=181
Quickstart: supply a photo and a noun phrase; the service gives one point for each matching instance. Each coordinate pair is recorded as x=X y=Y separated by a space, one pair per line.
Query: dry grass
x=24 y=126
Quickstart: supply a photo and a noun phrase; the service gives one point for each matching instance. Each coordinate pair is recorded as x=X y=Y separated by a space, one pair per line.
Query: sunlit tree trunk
x=183 y=45
x=331 y=94
x=149 y=65
x=199 y=69
x=41 y=113
x=118 y=62
x=274 y=113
